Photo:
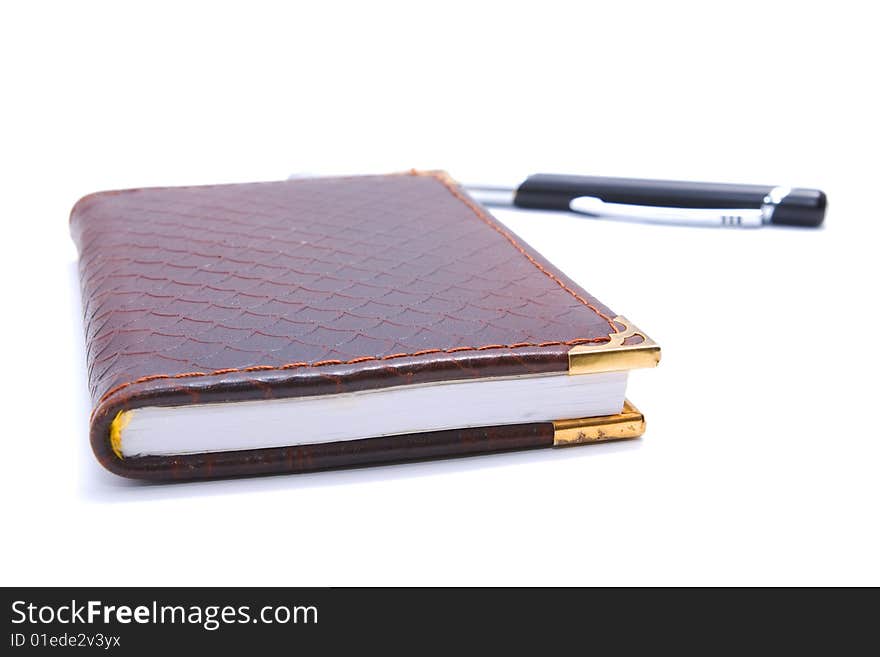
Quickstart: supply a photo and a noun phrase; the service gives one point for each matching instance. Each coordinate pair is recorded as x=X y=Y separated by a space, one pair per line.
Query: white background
x=760 y=464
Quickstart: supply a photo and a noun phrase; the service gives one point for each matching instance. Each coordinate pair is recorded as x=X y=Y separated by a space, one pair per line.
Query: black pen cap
x=801 y=207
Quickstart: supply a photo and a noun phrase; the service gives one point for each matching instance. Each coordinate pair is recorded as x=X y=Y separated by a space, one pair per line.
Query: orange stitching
x=478 y=211
x=361 y=359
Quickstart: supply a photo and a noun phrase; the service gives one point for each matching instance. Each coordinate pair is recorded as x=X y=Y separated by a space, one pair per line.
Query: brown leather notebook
x=332 y=322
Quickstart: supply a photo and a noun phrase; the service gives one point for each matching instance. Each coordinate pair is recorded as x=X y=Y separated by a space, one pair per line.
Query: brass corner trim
x=116 y=426
x=615 y=355
x=629 y=423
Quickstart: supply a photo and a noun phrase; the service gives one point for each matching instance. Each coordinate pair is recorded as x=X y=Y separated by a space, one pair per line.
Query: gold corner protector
x=116 y=426
x=626 y=350
x=629 y=423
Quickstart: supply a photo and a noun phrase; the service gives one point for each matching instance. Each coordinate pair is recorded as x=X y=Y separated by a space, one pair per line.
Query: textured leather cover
x=306 y=287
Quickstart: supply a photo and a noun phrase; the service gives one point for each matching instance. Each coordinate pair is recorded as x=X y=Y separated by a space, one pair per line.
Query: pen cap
x=801 y=207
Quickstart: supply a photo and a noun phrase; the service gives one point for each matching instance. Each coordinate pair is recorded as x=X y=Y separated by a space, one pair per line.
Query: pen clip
x=734 y=217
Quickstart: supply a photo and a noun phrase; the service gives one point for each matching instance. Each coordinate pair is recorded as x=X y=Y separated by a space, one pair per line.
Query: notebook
x=334 y=322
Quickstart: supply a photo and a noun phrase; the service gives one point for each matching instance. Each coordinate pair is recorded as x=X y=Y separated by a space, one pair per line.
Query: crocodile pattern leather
x=347 y=454
x=249 y=291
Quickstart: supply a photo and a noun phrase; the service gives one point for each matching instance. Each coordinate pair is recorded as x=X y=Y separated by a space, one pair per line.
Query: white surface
x=370 y=413
x=760 y=461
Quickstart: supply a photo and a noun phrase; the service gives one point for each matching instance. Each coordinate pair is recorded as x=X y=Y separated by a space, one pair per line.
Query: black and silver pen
x=662 y=201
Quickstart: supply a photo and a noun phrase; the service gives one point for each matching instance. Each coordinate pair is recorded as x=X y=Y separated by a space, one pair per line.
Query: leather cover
x=307 y=287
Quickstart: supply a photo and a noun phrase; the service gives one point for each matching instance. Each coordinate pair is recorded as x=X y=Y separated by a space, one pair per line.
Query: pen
x=662 y=201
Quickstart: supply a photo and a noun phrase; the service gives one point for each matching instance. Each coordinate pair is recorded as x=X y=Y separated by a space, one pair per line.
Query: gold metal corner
x=629 y=423
x=627 y=350
x=116 y=426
